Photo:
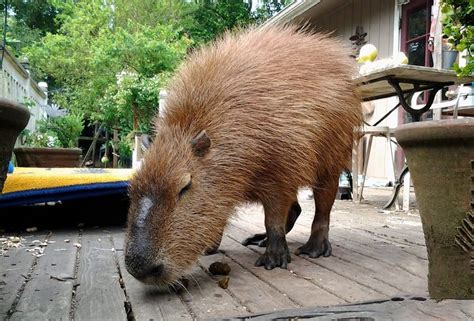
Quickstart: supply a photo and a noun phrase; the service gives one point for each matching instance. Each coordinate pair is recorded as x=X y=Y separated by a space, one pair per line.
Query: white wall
x=17 y=84
x=379 y=18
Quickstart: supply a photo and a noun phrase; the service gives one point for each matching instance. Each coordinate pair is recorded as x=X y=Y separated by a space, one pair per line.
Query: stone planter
x=440 y=156
x=13 y=119
x=48 y=157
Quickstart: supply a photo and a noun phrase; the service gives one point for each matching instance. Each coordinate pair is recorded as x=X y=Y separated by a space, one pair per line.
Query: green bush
x=61 y=131
x=458 y=28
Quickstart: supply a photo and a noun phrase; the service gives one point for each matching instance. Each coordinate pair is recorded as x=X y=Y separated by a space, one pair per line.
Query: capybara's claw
x=315 y=249
x=257 y=239
x=273 y=260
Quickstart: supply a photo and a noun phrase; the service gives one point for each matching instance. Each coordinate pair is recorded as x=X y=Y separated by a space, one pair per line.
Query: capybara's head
x=170 y=222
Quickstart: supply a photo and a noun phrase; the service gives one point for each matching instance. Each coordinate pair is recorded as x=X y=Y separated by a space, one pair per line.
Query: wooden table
x=403 y=81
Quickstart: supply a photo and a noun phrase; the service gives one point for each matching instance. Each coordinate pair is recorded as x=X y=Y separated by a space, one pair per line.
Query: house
x=392 y=26
x=17 y=84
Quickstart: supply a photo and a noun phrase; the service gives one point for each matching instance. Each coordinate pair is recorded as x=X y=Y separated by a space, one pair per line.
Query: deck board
x=99 y=295
x=15 y=265
x=376 y=256
x=144 y=301
x=48 y=294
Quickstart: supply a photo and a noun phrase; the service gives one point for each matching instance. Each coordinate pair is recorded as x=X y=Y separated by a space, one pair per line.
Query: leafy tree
x=89 y=51
x=269 y=8
x=212 y=18
x=28 y=21
x=35 y=14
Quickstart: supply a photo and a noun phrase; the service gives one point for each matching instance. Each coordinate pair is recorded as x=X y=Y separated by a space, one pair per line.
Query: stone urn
x=48 y=157
x=13 y=119
x=440 y=156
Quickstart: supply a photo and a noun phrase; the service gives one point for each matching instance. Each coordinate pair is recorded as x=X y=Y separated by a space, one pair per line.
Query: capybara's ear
x=201 y=144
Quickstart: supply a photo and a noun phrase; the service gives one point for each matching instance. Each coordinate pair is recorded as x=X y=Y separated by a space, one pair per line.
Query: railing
x=17 y=84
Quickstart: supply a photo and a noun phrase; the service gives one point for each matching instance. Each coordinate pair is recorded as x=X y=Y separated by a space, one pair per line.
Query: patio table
x=403 y=81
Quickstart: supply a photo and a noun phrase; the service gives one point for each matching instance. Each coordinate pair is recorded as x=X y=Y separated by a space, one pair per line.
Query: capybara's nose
x=140 y=269
x=140 y=265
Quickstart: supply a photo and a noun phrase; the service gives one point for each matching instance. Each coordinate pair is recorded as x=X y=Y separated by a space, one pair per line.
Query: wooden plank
x=98 y=294
x=348 y=27
x=397 y=279
x=254 y=293
x=357 y=15
x=366 y=284
x=384 y=44
x=48 y=293
x=146 y=302
x=385 y=252
x=403 y=308
x=362 y=243
x=208 y=301
x=15 y=265
x=320 y=277
x=374 y=24
x=295 y=287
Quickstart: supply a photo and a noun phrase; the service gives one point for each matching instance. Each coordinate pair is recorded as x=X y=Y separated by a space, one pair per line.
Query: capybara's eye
x=184 y=189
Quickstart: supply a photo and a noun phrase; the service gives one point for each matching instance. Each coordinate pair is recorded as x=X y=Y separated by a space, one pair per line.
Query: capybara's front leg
x=261 y=238
x=277 y=253
x=318 y=243
x=213 y=249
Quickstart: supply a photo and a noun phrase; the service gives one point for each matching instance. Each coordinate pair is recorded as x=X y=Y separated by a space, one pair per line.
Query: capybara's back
x=253 y=117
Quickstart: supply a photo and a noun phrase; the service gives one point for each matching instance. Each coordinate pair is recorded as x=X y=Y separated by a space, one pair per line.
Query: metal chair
x=370 y=132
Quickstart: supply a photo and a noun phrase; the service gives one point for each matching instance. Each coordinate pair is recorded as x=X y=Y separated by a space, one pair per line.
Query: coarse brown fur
x=279 y=109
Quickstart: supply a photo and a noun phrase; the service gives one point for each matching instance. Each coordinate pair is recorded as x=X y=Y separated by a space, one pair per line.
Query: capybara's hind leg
x=277 y=253
x=261 y=238
x=318 y=243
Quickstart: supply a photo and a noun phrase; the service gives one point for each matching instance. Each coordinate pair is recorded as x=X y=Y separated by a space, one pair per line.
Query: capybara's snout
x=141 y=263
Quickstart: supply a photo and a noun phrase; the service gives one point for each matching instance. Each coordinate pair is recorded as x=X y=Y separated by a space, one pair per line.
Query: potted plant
x=13 y=118
x=54 y=144
x=458 y=30
x=440 y=155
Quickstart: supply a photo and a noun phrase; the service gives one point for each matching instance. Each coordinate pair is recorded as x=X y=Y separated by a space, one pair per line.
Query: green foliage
x=108 y=59
x=89 y=52
x=67 y=128
x=63 y=131
x=40 y=139
x=270 y=7
x=212 y=18
x=35 y=14
x=458 y=27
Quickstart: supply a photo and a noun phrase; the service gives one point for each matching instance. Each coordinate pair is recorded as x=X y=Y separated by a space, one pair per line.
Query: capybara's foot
x=273 y=259
x=257 y=239
x=315 y=248
x=276 y=254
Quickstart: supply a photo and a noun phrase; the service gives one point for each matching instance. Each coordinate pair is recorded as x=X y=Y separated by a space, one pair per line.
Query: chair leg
x=364 y=170
x=355 y=167
x=389 y=141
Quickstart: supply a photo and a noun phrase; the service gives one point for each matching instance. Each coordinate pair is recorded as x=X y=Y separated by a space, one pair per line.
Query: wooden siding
x=375 y=16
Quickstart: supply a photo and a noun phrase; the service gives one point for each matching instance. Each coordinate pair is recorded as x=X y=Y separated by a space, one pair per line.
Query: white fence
x=17 y=84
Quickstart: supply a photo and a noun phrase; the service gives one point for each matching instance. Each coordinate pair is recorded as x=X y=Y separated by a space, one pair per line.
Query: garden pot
x=449 y=58
x=48 y=157
x=13 y=119
x=440 y=156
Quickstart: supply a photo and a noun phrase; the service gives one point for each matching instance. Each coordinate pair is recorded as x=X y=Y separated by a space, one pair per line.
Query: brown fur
x=279 y=108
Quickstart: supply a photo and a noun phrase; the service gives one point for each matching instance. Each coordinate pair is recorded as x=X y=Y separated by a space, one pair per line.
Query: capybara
x=250 y=118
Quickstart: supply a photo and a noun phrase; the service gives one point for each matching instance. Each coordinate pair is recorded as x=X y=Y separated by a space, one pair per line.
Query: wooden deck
x=79 y=274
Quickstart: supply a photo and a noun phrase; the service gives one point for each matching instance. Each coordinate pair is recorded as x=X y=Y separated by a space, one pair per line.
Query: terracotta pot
x=440 y=156
x=13 y=119
x=48 y=157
